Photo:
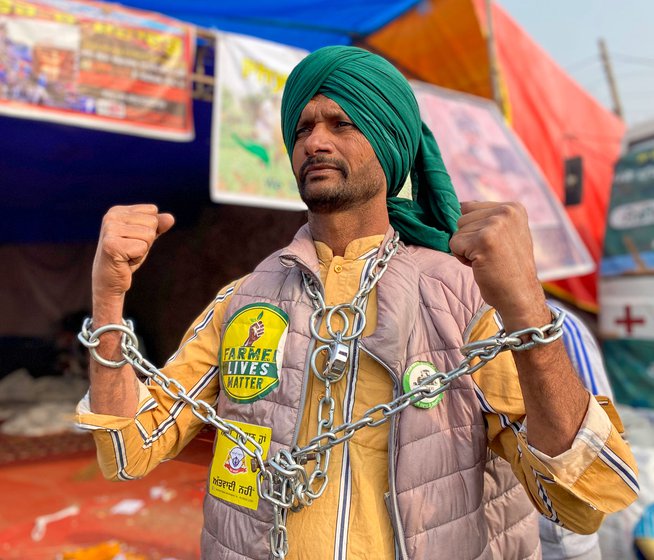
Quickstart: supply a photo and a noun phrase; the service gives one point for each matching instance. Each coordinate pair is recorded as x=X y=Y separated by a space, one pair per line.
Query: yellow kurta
x=354 y=498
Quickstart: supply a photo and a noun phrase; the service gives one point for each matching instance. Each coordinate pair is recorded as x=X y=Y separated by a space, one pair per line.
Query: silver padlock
x=337 y=360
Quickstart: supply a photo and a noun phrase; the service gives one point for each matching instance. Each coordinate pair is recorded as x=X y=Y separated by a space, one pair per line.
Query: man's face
x=334 y=164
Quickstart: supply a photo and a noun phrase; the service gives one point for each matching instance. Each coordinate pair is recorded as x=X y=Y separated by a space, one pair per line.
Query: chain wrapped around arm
x=283 y=479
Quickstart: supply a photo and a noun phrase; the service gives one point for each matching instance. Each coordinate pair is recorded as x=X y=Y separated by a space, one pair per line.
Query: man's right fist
x=126 y=237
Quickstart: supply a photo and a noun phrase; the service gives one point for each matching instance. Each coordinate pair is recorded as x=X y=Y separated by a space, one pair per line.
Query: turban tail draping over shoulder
x=381 y=103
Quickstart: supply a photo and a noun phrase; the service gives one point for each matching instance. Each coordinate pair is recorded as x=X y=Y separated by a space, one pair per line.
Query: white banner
x=627 y=307
x=249 y=163
x=487 y=162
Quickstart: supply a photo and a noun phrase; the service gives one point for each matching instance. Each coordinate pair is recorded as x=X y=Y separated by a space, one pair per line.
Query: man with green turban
x=348 y=425
x=386 y=112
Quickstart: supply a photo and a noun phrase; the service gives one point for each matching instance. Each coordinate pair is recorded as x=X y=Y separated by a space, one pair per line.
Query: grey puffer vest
x=449 y=497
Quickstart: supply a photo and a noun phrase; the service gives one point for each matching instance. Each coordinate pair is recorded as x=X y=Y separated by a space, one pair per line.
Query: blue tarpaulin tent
x=300 y=23
x=57 y=180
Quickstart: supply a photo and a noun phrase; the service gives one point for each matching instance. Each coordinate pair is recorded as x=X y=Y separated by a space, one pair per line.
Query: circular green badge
x=415 y=374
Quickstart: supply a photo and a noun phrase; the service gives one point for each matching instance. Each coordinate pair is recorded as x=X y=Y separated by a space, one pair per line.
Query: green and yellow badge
x=251 y=352
x=414 y=375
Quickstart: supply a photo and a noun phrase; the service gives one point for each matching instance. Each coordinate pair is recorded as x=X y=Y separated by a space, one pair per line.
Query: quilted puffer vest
x=449 y=497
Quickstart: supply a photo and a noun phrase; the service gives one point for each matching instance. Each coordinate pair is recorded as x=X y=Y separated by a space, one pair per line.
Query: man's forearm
x=555 y=399
x=113 y=391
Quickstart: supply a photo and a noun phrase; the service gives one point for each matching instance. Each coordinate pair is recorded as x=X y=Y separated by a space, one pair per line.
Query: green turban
x=381 y=103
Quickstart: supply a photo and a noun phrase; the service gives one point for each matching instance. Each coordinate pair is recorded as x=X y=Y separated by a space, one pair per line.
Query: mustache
x=322 y=160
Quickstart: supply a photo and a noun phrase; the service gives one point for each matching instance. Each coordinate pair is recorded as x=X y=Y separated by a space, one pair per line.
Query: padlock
x=337 y=361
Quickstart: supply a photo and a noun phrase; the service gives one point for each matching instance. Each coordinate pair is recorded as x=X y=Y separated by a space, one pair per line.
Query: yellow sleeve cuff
x=588 y=443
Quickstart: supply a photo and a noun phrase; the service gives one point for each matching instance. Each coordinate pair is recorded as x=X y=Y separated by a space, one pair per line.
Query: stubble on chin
x=343 y=196
x=324 y=200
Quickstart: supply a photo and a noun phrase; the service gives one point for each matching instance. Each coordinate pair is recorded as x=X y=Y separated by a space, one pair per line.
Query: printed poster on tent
x=249 y=162
x=96 y=65
x=487 y=162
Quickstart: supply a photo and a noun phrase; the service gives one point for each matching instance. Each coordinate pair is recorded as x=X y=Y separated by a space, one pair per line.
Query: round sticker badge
x=415 y=374
x=251 y=352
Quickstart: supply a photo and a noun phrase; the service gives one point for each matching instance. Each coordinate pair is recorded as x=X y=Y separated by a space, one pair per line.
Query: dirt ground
x=55 y=504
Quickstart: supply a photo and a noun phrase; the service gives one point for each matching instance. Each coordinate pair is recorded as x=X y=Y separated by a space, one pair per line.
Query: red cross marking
x=628 y=321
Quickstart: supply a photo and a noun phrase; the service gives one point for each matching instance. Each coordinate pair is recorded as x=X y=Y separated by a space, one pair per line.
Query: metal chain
x=336 y=346
x=283 y=480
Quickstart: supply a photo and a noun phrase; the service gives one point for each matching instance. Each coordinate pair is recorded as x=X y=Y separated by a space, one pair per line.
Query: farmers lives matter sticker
x=251 y=352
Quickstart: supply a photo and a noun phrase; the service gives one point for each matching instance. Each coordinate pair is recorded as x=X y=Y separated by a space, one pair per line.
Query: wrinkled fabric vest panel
x=441 y=504
x=512 y=520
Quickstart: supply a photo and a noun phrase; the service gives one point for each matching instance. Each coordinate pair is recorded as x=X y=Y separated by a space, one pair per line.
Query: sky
x=568 y=30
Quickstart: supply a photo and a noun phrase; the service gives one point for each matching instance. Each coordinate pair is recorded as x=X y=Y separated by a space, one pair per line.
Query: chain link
x=344 y=323
x=283 y=479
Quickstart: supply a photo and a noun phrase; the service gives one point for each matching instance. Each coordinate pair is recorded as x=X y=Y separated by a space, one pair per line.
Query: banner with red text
x=249 y=162
x=96 y=65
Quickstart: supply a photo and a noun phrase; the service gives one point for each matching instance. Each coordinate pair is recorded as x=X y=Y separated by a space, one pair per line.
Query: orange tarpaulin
x=444 y=42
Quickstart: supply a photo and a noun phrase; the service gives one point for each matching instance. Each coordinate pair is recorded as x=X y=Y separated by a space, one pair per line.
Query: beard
x=324 y=195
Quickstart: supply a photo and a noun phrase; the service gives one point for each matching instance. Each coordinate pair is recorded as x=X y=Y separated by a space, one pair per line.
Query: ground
x=161 y=515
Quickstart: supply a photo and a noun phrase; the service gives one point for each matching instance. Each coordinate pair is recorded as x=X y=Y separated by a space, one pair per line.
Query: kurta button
x=338 y=268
